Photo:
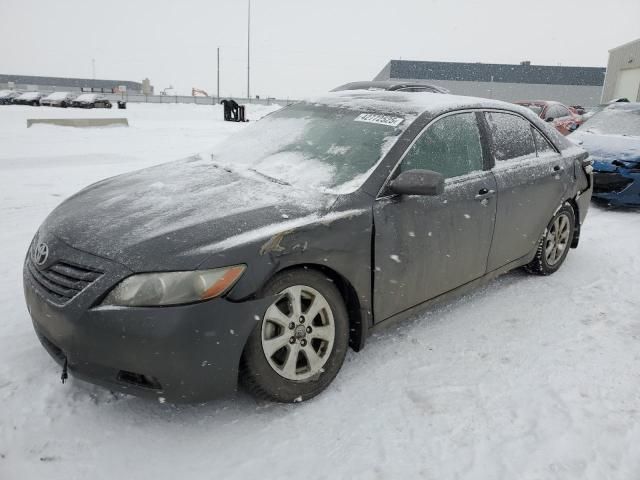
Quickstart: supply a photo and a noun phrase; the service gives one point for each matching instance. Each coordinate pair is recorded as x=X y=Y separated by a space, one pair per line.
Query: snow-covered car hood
x=605 y=149
x=175 y=214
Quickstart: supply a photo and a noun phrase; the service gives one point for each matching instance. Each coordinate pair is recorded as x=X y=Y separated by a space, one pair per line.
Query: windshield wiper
x=271 y=179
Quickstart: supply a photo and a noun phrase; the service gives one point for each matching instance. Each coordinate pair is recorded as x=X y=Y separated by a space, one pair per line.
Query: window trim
x=485 y=152
x=531 y=124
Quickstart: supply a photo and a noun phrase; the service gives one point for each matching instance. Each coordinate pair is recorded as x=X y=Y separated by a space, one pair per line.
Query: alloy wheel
x=298 y=333
x=557 y=239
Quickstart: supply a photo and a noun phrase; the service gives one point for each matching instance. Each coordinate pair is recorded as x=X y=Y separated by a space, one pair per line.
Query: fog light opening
x=139 y=380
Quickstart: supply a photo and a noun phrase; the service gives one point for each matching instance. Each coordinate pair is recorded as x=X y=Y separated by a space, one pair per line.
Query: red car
x=563 y=118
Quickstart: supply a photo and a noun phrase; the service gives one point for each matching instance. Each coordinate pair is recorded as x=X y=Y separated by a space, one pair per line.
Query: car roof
x=629 y=106
x=407 y=103
x=541 y=103
x=388 y=85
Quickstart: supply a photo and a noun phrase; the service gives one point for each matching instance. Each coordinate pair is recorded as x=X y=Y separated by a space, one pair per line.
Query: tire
x=268 y=369
x=555 y=243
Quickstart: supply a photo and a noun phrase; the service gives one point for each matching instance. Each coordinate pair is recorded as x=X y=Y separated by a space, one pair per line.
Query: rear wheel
x=299 y=345
x=555 y=243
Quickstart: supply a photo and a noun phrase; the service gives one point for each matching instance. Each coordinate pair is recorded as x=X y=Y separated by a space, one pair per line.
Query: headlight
x=173 y=288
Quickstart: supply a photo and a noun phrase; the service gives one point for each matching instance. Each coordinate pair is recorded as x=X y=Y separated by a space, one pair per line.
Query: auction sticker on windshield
x=379 y=119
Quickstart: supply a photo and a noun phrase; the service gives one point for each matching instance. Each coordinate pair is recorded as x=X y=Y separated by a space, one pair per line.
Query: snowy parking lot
x=526 y=378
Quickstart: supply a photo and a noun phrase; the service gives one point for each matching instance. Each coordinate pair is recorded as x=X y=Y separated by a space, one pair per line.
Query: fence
x=138 y=98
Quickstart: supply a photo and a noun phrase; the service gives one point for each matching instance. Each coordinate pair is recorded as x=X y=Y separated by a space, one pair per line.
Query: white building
x=623 y=73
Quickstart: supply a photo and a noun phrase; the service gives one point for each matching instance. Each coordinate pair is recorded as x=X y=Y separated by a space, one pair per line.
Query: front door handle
x=557 y=168
x=485 y=193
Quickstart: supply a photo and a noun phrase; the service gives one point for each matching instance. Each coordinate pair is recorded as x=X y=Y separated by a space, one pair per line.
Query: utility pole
x=249 y=51
x=218 y=96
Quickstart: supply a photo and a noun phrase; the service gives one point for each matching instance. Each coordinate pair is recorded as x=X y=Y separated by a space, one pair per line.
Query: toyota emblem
x=40 y=254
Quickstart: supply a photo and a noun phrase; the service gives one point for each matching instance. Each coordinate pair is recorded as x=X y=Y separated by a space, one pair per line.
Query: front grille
x=610 y=182
x=62 y=281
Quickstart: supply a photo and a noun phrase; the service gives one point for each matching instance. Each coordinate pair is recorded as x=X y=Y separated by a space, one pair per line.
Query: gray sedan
x=325 y=221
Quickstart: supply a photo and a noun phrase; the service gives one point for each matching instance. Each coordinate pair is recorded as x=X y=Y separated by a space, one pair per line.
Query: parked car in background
x=560 y=116
x=391 y=85
x=58 y=99
x=305 y=232
x=7 y=96
x=578 y=109
x=28 y=98
x=91 y=100
x=612 y=137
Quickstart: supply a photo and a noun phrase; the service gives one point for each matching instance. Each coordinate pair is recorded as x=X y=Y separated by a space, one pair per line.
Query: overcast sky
x=299 y=47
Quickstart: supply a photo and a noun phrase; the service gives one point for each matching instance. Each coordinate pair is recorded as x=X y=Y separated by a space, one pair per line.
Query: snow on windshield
x=57 y=96
x=314 y=146
x=615 y=121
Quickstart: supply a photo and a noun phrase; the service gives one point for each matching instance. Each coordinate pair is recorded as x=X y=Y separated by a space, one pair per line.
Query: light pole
x=218 y=96
x=249 y=50
x=93 y=67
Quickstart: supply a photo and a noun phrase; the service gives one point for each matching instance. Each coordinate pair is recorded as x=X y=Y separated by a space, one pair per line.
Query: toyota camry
x=263 y=262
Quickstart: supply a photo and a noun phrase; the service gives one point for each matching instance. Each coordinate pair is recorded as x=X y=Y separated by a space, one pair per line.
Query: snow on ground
x=527 y=378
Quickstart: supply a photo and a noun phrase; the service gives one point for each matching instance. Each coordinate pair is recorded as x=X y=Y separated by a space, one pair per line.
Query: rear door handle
x=557 y=168
x=485 y=193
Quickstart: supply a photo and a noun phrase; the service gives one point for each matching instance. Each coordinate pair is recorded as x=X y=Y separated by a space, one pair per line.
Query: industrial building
x=623 y=73
x=51 y=84
x=570 y=85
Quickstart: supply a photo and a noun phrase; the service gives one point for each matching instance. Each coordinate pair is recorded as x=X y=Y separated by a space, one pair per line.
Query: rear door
x=426 y=246
x=531 y=177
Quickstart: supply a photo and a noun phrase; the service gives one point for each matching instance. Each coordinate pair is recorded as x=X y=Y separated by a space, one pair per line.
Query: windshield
x=86 y=97
x=58 y=96
x=314 y=146
x=615 y=121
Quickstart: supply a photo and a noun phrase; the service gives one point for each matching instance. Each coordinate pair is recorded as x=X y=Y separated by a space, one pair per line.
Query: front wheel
x=555 y=243
x=298 y=347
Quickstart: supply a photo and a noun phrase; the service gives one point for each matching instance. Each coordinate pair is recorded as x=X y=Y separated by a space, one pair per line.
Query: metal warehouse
x=570 y=85
x=50 y=84
x=623 y=73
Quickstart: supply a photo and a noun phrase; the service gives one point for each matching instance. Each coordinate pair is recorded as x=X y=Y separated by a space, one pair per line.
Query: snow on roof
x=406 y=103
x=57 y=96
x=29 y=96
x=87 y=97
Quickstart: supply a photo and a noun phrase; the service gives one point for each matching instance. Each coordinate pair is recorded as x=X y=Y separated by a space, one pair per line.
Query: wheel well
x=576 y=231
x=357 y=329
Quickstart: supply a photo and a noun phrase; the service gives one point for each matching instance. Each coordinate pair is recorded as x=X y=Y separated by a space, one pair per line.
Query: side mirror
x=549 y=119
x=418 y=182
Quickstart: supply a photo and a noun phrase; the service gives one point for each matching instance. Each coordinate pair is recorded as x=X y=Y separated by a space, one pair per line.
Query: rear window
x=511 y=136
x=537 y=109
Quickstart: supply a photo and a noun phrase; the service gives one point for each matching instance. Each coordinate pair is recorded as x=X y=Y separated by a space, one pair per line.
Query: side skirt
x=452 y=294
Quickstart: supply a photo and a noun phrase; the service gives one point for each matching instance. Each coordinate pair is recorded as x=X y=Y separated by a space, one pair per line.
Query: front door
x=426 y=246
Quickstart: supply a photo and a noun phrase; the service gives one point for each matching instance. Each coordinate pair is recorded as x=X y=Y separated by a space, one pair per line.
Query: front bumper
x=620 y=187
x=188 y=353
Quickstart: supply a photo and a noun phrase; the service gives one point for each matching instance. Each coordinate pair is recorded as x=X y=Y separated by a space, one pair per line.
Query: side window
x=542 y=144
x=451 y=146
x=511 y=136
